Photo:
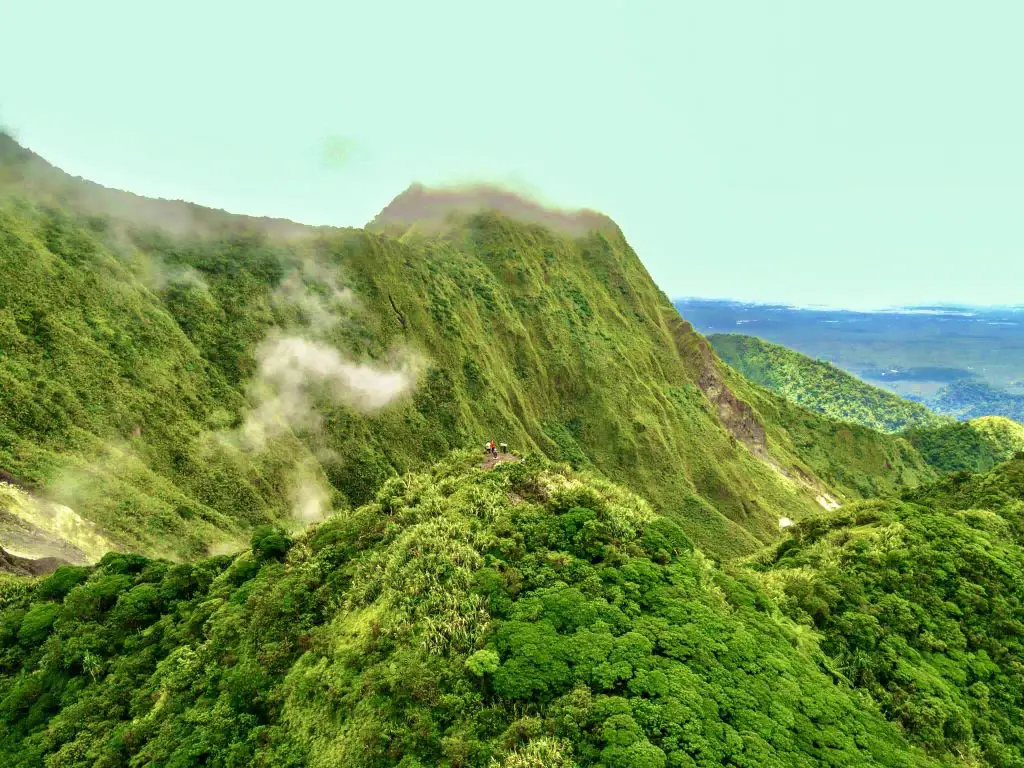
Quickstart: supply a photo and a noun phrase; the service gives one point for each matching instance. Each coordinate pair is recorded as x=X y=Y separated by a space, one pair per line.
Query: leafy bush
x=270 y=543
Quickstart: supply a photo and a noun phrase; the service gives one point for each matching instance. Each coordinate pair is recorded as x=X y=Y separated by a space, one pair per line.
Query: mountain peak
x=433 y=207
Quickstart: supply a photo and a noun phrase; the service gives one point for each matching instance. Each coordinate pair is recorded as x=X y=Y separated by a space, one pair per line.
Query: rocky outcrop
x=736 y=415
x=25 y=566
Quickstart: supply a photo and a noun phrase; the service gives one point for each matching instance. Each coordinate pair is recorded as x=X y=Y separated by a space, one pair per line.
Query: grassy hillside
x=178 y=383
x=918 y=603
x=106 y=401
x=528 y=616
x=819 y=385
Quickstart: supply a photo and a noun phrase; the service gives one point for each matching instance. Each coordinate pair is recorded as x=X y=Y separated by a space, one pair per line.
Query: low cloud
x=309 y=493
x=295 y=372
x=158 y=275
x=300 y=371
x=315 y=291
x=338 y=151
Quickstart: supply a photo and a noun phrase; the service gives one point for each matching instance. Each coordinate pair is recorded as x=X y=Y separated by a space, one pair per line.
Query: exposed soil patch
x=34 y=528
x=827 y=501
x=492 y=461
x=737 y=416
x=21 y=539
x=26 y=566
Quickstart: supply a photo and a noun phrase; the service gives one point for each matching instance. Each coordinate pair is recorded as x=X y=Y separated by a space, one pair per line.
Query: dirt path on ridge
x=492 y=461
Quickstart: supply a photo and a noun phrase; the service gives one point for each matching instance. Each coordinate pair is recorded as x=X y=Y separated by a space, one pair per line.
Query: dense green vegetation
x=131 y=365
x=819 y=385
x=107 y=401
x=523 y=617
x=975 y=445
x=969 y=399
x=203 y=389
x=919 y=603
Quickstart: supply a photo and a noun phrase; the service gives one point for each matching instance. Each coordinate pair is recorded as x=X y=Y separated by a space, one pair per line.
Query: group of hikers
x=492 y=448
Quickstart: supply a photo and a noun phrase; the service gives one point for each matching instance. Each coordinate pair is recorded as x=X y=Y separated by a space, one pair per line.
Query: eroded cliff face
x=736 y=415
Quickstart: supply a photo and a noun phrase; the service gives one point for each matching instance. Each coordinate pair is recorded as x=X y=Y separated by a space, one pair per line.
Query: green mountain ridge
x=135 y=360
x=819 y=385
x=947 y=445
x=918 y=602
x=526 y=616
x=277 y=432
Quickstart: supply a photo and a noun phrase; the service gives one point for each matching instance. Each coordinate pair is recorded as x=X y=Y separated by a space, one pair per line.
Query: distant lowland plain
x=963 y=361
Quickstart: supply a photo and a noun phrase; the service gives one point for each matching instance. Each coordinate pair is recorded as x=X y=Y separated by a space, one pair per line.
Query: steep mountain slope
x=178 y=385
x=820 y=386
x=919 y=603
x=106 y=401
x=527 y=616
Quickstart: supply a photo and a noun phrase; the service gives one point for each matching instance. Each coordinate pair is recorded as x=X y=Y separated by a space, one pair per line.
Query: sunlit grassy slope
x=128 y=338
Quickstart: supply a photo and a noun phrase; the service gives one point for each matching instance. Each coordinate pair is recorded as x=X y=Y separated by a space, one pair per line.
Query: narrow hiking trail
x=492 y=461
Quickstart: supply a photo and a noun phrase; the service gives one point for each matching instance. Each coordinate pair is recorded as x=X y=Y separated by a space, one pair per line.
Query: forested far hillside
x=819 y=385
x=974 y=446
x=911 y=351
x=528 y=616
x=177 y=385
x=967 y=399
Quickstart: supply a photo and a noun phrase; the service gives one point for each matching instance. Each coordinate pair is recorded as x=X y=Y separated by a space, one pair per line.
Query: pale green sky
x=850 y=153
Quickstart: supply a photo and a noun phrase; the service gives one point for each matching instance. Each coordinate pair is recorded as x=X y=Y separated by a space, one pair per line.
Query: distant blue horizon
x=941 y=307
